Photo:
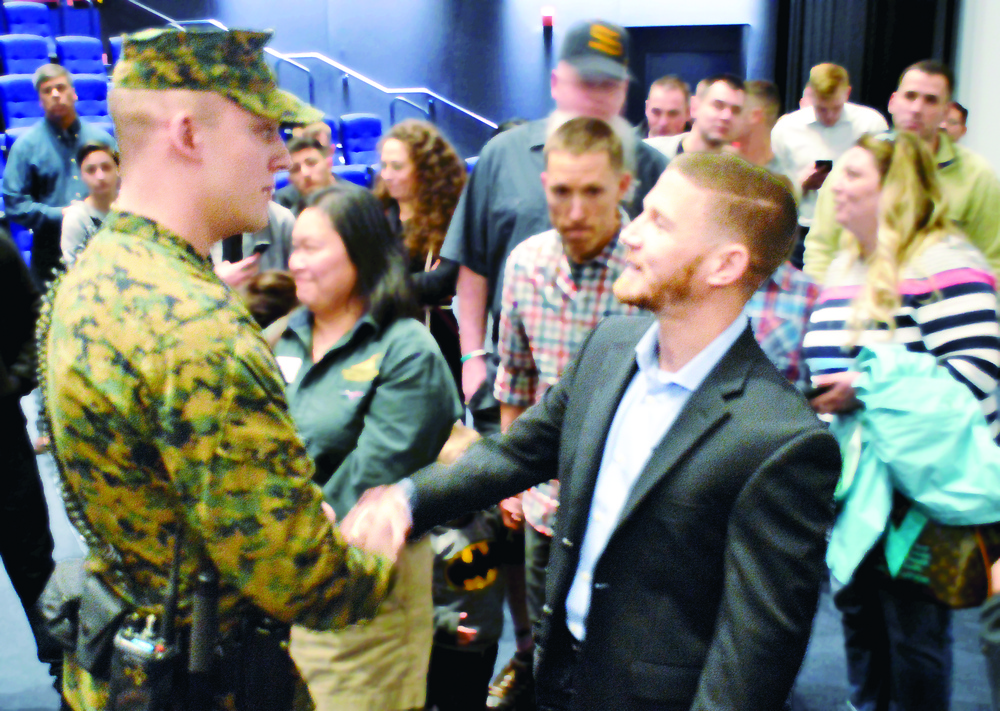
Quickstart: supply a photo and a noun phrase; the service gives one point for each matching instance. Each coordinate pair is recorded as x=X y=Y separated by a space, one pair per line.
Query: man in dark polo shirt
x=503 y=203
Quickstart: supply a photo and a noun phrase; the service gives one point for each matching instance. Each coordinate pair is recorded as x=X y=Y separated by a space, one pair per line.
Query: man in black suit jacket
x=697 y=484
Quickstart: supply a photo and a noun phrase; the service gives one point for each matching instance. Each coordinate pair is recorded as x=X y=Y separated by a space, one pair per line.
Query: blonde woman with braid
x=905 y=275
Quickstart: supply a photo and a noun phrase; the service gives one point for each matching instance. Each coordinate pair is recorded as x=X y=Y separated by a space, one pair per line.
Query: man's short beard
x=622 y=128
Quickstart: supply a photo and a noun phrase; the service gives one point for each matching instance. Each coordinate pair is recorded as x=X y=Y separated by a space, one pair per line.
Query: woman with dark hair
x=99 y=171
x=374 y=401
x=419 y=185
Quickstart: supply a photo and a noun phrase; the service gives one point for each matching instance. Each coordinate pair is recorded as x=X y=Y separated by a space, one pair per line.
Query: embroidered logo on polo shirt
x=363 y=372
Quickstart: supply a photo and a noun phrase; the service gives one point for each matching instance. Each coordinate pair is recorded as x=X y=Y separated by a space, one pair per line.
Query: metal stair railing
x=290 y=58
x=432 y=96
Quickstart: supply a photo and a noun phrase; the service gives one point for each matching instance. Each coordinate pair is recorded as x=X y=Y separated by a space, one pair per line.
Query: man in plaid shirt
x=556 y=288
x=779 y=312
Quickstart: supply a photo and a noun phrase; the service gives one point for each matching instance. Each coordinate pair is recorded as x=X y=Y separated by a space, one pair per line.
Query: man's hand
x=236 y=274
x=512 y=513
x=379 y=522
x=812 y=178
x=839 y=398
x=473 y=376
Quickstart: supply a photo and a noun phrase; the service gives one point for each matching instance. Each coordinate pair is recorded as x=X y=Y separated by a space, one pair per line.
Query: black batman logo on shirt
x=472 y=568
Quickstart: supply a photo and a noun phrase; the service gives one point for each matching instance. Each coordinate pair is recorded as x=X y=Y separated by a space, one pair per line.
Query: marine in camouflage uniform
x=166 y=407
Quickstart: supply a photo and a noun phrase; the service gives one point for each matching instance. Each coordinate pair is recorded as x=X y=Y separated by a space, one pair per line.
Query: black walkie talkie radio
x=145 y=655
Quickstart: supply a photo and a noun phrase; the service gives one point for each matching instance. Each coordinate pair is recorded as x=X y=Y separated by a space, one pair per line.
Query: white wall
x=976 y=75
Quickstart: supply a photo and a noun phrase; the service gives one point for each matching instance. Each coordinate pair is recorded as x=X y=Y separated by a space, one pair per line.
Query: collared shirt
x=779 y=313
x=651 y=404
x=503 y=203
x=799 y=140
x=373 y=409
x=970 y=187
x=550 y=305
x=42 y=175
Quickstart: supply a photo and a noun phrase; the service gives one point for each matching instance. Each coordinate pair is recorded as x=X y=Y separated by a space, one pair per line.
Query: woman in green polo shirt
x=374 y=401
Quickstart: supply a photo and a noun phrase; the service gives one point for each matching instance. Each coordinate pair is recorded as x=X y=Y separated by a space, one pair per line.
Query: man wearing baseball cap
x=503 y=204
x=168 y=419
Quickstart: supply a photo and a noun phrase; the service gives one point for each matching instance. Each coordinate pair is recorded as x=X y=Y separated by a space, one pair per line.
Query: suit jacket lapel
x=615 y=375
x=704 y=410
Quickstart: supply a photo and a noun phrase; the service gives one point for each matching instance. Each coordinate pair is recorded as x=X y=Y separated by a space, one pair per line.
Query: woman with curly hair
x=905 y=275
x=419 y=185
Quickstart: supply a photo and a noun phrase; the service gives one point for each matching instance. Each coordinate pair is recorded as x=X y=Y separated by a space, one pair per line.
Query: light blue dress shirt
x=651 y=404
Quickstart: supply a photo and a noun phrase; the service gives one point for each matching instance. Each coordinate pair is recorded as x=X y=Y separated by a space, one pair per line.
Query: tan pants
x=380 y=666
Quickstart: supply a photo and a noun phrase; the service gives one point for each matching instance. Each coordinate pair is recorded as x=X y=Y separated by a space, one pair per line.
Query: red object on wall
x=548 y=15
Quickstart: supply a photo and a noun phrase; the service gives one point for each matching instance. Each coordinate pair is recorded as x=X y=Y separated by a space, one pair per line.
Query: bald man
x=168 y=421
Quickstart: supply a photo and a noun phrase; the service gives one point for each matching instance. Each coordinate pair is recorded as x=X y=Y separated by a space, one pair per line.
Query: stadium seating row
x=51 y=19
x=23 y=54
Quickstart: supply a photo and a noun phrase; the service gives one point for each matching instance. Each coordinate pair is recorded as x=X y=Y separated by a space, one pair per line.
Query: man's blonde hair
x=827 y=79
x=587 y=135
x=748 y=201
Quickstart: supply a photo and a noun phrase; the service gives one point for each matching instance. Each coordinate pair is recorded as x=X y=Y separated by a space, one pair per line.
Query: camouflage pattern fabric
x=230 y=63
x=164 y=400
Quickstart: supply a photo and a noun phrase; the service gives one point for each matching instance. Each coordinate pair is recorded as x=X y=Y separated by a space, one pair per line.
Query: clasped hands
x=379 y=523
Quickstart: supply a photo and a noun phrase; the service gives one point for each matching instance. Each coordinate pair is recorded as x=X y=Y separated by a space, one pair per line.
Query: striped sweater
x=949 y=309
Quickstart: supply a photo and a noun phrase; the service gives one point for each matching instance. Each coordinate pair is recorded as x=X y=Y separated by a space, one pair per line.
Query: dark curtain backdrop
x=873 y=39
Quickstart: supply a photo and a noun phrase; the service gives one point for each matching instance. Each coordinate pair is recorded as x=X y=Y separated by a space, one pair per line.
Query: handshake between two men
x=379 y=523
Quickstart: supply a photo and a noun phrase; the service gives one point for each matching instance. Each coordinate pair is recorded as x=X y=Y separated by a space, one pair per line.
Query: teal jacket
x=921 y=433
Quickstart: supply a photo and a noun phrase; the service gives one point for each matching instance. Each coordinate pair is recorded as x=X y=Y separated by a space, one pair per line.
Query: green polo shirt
x=378 y=406
x=968 y=183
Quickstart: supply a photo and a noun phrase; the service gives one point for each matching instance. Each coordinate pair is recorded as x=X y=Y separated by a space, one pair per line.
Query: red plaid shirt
x=549 y=307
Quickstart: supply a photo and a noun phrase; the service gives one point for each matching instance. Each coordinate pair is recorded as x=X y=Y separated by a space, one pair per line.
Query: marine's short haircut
x=304 y=143
x=587 y=135
x=750 y=202
x=765 y=94
x=734 y=82
x=934 y=68
x=827 y=79
x=47 y=72
x=672 y=81
x=962 y=110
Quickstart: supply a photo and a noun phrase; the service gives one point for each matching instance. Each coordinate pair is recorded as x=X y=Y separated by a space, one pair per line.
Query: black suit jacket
x=705 y=593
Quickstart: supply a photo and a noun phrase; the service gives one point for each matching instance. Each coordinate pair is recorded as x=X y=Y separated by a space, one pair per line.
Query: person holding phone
x=807 y=141
x=907 y=276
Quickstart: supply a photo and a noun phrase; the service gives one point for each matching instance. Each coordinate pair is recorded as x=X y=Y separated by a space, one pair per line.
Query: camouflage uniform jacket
x=165 y=400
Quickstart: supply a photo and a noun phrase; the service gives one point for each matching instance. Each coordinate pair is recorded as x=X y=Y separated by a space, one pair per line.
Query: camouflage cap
x=229 y=62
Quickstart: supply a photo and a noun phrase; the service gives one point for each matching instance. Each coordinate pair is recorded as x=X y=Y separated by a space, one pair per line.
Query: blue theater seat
x=81 y=55
x=23 y=54
x=359 y=136
x=18 y=105
x=470 y=163
x=80 y=19
x=355 y=173
x=92 y=97
x=280 y=179
x=23 y=239
x=115 y=43
x=28 y=18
